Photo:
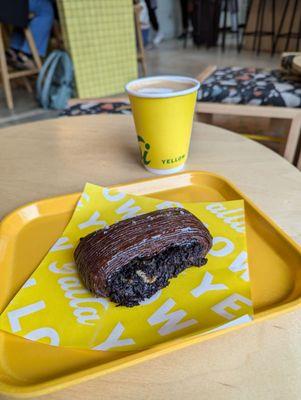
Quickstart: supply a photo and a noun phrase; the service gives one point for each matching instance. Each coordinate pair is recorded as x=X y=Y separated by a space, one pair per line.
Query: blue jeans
x=40 y=26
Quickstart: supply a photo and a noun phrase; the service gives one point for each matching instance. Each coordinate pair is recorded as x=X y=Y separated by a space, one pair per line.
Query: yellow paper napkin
x=54 y=307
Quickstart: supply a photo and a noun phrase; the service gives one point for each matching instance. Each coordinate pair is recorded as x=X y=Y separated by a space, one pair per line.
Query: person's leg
x=17 y=39
x=184 y=14
x=40 y=25
x=151 y=6
x=184 y=9
x=152 y=15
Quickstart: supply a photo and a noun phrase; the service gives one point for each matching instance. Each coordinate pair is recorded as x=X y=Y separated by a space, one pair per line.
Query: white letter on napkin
x=173 y=323
x=113 y=339
x=84 y=314
x=112 y=197
x=127 y=210
x=67 y=268
x=215 y=207
x=241 y=264
x=207 y=285
x=224 y=251
x=30 y=282
x=61 y=244
x=15 y=315
x=168 y=204
x=230 y=302
x=46 y=332
x=93 y=221
x=83 y=196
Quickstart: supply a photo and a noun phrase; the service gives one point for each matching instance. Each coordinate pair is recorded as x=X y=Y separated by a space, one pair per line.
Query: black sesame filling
x=143 y=277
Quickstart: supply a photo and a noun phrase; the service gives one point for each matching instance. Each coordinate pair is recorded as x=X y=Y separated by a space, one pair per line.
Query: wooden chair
x=261 y=21
x=290 y=34
x=140 y=54
x=224 y=29
x=291 y=114
x=8 y=75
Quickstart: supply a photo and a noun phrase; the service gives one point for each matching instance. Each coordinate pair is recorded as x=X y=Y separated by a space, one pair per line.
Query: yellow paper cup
x=163 y=108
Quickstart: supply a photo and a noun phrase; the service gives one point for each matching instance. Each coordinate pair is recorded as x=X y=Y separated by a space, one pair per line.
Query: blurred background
x=65 y=57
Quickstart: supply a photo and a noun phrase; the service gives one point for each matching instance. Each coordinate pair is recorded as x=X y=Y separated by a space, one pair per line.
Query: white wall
x=169 y=17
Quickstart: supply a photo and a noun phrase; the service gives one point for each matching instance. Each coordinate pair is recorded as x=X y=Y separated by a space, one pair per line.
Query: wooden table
x=58 y=156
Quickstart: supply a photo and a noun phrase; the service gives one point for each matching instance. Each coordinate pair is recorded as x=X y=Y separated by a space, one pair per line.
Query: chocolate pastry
x=131 y=260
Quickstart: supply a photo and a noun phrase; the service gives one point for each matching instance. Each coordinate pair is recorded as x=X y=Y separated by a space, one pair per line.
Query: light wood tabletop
x=59 y=156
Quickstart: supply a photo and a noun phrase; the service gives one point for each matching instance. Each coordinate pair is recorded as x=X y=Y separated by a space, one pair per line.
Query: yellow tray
x=30 y=368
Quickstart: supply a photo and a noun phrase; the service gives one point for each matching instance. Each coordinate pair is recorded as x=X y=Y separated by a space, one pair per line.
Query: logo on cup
x=144 y=147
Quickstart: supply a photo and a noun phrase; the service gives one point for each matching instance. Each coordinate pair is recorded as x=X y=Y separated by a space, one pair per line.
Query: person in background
x=184 y=13
x=144 y=21
x=40 y=24
x=186 y=10
x=152 y=6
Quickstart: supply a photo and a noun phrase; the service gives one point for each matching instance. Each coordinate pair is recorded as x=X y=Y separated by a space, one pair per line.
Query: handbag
x=55 y=84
